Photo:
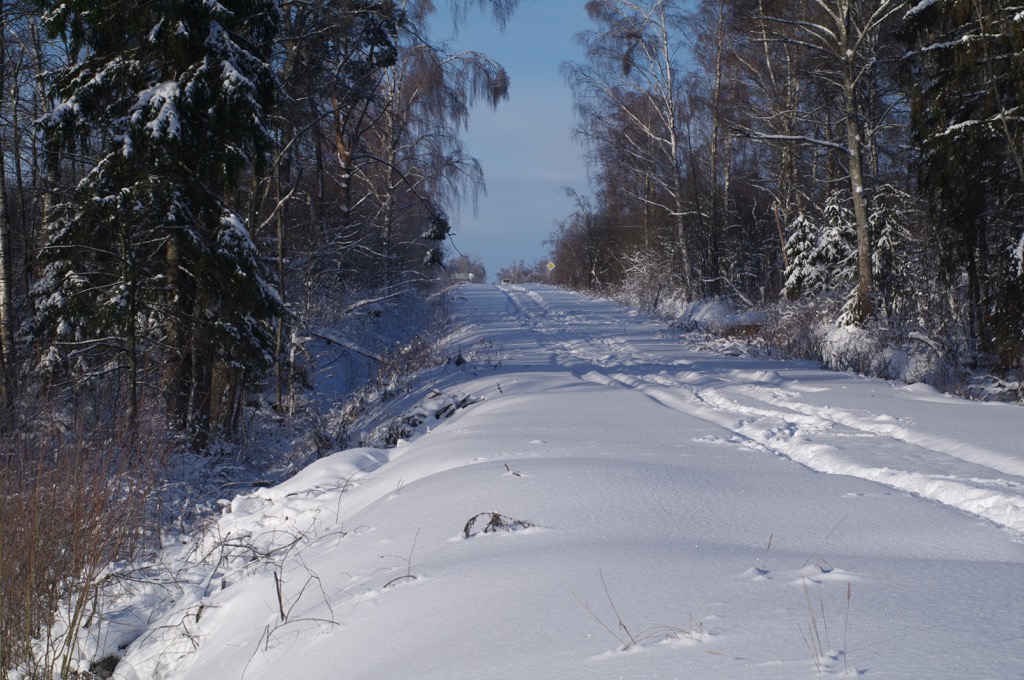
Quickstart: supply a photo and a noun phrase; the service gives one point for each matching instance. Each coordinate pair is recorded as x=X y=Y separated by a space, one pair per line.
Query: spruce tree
x=146 y=264
x=822 y=253
x=966 y=86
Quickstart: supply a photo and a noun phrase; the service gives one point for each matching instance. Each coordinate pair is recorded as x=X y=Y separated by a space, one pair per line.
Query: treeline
x=866 y=153
x=187 y=183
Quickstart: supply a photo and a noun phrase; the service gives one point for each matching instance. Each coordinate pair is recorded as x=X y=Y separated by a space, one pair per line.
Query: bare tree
x=585 y=246
x=628 y=96
x=370 y=157
x=841 y=43
x=18 y=72
x=415 y=163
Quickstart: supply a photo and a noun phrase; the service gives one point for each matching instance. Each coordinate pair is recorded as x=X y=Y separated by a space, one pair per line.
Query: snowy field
x=660 y=513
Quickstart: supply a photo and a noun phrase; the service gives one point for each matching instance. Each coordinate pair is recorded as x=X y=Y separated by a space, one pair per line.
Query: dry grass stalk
x=74 y=500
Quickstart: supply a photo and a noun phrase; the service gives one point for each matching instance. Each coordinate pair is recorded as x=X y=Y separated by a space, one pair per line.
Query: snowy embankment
x=587 y=498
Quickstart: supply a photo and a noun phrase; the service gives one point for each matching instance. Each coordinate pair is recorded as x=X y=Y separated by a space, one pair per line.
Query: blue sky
x=526 y=146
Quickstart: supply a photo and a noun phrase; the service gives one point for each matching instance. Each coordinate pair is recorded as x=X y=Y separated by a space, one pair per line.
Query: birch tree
x=628 y=94
x=842 y=43
x=415 y=163
x=370 y=160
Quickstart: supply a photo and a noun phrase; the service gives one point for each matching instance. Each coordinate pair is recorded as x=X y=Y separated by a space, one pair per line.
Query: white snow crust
x=684 y=515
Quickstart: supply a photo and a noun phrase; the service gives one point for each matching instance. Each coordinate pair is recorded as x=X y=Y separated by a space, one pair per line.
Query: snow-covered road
x=659 y=513
x=969 y=456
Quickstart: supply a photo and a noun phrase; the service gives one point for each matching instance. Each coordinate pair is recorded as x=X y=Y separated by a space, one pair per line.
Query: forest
x=190 y=186
x=196 y=192
x=852 y=164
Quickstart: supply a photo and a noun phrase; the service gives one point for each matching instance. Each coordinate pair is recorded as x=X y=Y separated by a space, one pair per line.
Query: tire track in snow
x=955 y=449
x=781 y=434
x=778 y=421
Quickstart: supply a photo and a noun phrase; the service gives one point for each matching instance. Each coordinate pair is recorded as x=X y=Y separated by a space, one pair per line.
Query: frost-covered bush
x=794 y=330
x=865 y=350
x=648 y=280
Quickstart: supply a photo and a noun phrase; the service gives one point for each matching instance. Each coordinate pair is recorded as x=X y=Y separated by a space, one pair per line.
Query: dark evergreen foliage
x=966 y=86
x=191 y=144
x=146 y=264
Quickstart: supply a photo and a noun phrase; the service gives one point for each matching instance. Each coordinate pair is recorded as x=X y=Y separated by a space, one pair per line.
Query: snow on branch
x=345 y=344
x=765 y=137
x=159 y=103
x=919 y=7
x=1018 y=257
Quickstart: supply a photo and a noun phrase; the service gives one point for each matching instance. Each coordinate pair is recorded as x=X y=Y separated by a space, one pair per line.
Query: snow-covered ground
x=657 y=512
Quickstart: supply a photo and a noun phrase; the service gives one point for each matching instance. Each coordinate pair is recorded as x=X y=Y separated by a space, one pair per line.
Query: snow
x=158 y=103
x=684 y=515
x=1017 y=256
x=234 y=239
x=919 y=7
x=232 y=79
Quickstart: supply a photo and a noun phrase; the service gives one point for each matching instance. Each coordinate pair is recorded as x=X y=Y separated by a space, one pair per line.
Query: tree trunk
x=177 y=362
x=717 y=209
x=860 y=210
x=280 y=364
x=8 y=360
x=344 y=162
x=131 y=330
x=677 y=173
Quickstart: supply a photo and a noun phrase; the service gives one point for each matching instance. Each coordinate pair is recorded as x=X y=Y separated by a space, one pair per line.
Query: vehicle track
x=773 y=411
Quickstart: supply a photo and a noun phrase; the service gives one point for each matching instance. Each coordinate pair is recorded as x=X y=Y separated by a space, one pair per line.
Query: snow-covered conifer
x=822 y=253
x=966 y=90
x=146 y=263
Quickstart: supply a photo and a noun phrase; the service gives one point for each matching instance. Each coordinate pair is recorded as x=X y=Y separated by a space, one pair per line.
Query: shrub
x=73 y=502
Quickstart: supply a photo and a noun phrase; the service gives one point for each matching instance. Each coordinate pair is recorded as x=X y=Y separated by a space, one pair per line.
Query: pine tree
x=146 y=264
